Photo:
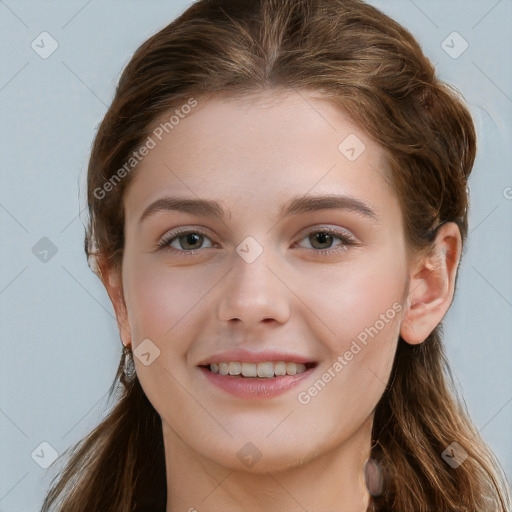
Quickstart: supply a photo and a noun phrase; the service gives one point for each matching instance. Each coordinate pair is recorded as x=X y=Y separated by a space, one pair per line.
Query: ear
x=432 y=285
x=112 y=281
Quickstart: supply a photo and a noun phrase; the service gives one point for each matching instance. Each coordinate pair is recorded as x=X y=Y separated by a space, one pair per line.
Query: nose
x=254 y=293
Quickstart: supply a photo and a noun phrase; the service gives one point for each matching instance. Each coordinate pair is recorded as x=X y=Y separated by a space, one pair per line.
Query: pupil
x=325 y=238
x=191 y=238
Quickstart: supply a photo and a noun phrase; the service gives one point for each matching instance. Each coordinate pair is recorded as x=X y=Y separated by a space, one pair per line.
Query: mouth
x=263 y=370
x=256 y=380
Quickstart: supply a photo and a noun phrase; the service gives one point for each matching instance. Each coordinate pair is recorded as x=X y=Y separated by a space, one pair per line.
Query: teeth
x=249 y=370
x=264 y=370
x=280 y=368
x=291 y=368
x=235 y=368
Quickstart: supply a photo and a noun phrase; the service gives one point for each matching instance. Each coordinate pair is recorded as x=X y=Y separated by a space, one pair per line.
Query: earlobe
x=113 y=284
x=432 y=285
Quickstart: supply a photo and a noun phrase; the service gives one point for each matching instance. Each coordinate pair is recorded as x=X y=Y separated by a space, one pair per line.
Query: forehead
x=273 y=142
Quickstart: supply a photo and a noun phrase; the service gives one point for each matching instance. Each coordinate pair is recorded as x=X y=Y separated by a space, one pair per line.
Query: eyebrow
x=303 y=204
x=297 y=205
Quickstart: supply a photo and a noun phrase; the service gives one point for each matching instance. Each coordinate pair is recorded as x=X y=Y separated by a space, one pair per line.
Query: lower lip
x=255 y=388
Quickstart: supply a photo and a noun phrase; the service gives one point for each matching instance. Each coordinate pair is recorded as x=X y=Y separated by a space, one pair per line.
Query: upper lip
x=260 y=356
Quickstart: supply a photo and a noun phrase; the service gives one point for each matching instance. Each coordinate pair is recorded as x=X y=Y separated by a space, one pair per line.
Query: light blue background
x=60 y=345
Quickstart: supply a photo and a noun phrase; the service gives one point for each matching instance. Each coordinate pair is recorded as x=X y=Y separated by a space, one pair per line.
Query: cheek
x=352 y=381
x=162 y=302
x=361 y=305
x=164 y=307
x=360 y=300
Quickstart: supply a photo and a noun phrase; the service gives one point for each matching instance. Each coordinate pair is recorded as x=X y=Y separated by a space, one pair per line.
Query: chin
x=257 y=455
x=268 y=463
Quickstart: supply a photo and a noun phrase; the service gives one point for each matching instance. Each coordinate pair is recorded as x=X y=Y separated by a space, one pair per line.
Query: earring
x=373 y=478
x=127 y=362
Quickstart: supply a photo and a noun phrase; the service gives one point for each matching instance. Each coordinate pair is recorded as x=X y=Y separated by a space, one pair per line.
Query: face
x=297 y=274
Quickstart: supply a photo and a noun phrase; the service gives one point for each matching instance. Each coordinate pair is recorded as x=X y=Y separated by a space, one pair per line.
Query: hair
x=374 y=71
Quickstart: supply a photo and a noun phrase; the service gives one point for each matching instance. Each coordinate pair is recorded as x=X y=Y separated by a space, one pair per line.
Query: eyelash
x=346 y=239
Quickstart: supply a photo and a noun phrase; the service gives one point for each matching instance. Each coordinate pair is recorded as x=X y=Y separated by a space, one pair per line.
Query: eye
x=186 y=241
x=189 y=241
x=323 y=239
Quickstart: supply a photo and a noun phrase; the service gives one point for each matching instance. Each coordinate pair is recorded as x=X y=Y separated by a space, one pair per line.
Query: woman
x=278 y=206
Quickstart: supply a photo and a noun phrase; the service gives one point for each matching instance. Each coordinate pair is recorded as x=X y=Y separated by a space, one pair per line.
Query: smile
x=265 y=370
x=261 y=380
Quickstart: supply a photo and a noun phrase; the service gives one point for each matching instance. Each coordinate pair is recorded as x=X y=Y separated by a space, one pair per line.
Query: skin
x=253 y=155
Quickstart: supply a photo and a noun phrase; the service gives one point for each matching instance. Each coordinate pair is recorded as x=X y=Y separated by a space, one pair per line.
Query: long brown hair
x=374 y=71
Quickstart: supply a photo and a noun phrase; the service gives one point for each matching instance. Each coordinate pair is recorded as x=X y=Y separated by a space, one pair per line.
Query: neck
x=329 y=481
